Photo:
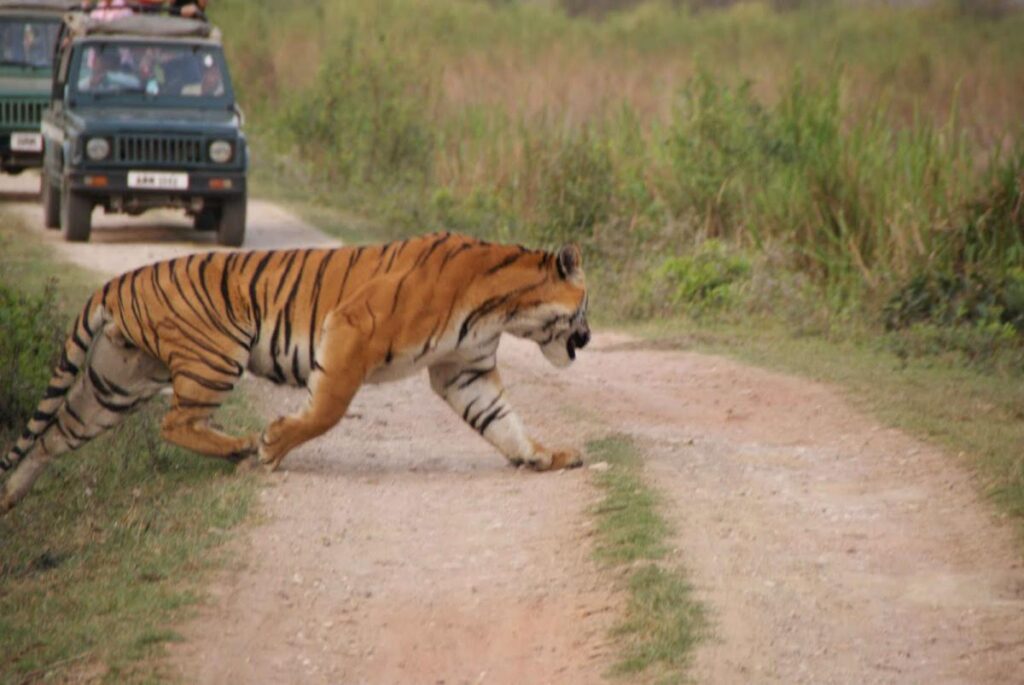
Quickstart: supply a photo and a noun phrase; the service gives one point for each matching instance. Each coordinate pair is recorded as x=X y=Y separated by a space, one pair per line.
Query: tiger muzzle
x=578 y=340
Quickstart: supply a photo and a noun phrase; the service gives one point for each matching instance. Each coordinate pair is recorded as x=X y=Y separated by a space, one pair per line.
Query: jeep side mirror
x=239 y=113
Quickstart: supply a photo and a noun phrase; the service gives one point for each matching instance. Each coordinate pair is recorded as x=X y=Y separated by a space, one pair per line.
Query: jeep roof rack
x=141 y=25
x=41 y=5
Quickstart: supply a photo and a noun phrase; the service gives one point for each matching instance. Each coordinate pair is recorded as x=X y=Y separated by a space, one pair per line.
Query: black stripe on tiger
x=314 y=322
x=492 y=304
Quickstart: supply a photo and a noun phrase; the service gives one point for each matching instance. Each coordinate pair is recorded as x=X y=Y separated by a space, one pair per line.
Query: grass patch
x=109 y=550
x=663 y=622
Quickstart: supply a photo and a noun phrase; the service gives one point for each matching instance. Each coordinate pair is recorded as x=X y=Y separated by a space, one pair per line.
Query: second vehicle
x=142 y=115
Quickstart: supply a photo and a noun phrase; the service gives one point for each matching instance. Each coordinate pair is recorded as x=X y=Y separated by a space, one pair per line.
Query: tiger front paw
x=554 y=460
x=269 y=458
x=271 y=450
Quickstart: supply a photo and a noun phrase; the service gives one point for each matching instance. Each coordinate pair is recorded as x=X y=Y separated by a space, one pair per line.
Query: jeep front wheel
x=207 y=219
x=51 y=204
x=75 y=216
x=231 y=231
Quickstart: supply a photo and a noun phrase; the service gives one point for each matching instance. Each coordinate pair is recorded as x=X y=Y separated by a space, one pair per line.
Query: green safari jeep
x=142 y=115
x=28 y=31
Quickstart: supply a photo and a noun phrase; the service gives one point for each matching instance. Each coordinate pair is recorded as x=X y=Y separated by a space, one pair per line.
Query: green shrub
x=718 y=135
x=957 y=299
x=988 y=345
x=577 y=189
x=993 y=231
x=33 y=334
x=482 y=213
x=708 y=280
x=363 y=121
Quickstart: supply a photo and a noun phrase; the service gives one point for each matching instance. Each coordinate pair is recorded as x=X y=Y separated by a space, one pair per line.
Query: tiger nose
x=582 y=337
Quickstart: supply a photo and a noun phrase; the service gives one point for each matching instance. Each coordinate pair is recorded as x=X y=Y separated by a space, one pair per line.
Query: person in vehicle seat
x=23 y=43
x=106 y=72
x=189 y=8
x=106 y=10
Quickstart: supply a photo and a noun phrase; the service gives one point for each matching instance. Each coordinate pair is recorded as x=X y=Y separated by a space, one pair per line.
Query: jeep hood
x=155 y=119
x=20 y=86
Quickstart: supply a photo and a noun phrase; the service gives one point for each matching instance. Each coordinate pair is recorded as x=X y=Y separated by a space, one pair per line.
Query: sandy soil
x=398 y=548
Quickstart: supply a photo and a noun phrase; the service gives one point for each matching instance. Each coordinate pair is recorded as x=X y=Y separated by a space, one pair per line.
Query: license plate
x=157 y=180
x=27 y=142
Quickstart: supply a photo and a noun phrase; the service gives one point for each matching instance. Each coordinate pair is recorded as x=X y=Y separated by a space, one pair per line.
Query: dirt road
x=399 y=548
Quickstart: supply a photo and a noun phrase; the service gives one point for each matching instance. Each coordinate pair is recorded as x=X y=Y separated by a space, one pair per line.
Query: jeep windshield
x=136 y=73
x=27 y=43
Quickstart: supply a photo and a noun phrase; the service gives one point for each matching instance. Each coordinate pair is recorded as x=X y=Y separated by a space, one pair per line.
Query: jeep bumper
x=21 y=150
x=121 y=190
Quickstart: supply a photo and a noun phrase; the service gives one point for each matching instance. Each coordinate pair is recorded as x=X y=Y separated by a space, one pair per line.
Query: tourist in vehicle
x=189 y=8
x=104 y=71
x=107 y=10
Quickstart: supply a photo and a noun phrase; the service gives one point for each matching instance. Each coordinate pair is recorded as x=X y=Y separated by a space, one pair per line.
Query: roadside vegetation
x=109 y=549
x=848 y=173
x=662 y=622
x=869 y=153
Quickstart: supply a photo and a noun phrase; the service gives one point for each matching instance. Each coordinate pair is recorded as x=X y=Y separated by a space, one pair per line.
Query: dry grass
x=846 y=142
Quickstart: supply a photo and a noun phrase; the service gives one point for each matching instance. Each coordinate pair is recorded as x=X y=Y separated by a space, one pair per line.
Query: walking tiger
x=326 y=319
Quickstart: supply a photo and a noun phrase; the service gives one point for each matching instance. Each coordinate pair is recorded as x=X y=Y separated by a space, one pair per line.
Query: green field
x=113 y=545
x=861 y=157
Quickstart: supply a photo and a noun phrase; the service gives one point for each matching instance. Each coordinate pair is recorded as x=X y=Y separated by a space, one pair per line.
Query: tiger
x=328 y=320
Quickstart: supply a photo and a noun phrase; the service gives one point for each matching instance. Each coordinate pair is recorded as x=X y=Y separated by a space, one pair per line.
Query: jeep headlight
x=97 y=148
x=220 y=151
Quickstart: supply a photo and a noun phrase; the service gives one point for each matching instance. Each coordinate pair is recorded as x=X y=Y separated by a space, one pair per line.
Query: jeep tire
x=51 y=204
x=208 y=219
x=75 y=215
x=231 y=231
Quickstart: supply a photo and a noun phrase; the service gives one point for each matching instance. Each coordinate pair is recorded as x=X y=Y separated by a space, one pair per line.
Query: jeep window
x=27 y=43
x=182 y=73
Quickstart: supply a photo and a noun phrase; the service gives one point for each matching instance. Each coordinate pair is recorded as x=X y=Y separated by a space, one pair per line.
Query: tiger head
x=560 y=322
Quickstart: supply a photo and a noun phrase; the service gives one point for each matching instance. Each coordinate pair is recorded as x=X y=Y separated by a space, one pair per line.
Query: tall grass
x=857 y=146
x=111 y=547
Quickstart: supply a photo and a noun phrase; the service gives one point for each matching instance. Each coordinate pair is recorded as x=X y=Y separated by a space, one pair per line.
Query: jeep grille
x=21 y=112
x=160 y=149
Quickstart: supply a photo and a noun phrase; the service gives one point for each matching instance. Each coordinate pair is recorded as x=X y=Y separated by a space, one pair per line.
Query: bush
x=986 y=345
x=956 y=299
x=577 y=190
x=993 y=230
x=708 y=280
x=716 y=143
x=363 y=121
x=33 y=335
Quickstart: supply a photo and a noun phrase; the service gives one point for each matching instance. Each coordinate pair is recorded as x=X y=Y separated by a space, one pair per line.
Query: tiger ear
x=569 y=260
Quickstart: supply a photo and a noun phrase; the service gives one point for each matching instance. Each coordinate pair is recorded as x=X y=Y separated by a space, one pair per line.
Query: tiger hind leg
x=199 y=390
x=343 y=365
x=114 y=381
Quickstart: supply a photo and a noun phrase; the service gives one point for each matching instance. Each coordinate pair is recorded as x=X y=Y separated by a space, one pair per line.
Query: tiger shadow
x=368 y=464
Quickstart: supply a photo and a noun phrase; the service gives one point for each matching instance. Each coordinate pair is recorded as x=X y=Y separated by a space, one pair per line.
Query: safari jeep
x=142 y=115
x=28 y=30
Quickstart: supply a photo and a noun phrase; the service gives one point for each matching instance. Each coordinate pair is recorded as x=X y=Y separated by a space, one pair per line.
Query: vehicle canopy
x=143 y=25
